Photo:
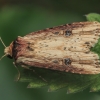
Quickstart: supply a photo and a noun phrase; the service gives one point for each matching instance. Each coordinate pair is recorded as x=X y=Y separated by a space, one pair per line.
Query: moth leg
x=34 y=72
x=39 y=76
x=17 y=70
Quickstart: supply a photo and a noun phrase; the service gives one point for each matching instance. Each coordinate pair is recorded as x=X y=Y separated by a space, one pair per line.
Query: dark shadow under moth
x=63 y=48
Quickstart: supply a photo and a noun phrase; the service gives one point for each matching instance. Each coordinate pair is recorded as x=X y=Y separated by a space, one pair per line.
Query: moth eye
x=9 y=56
x=67 y=61
x=68 y=33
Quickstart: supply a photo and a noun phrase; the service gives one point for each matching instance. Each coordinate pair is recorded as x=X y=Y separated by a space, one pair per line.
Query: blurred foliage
x=79 y=6
x=20 y=17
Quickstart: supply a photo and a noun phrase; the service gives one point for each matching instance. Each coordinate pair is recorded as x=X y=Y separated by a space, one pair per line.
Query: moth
x=64 y=48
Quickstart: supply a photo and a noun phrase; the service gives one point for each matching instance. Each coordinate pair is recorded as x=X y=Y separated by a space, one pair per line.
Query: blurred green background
x=20 y=17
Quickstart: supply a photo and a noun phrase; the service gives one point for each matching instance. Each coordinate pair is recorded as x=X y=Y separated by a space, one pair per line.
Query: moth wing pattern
x=63 y=48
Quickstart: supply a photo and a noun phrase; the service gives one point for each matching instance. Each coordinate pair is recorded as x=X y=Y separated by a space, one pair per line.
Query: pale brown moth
x=63 y=48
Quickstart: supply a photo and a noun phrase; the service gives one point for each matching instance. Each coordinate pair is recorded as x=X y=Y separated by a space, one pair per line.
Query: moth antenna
x=2 y=42
x=4 y=46
x=18 y=71
x=3 y=56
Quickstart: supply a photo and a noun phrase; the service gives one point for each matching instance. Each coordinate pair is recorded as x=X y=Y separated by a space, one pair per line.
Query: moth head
x=7 y=50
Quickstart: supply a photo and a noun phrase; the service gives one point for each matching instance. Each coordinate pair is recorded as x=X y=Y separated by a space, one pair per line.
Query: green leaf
x=36 y=84
x=95 y=86
x=56 y=80
x=96 y=48
x=76 y=87
x=56 y=85
x=93 y=17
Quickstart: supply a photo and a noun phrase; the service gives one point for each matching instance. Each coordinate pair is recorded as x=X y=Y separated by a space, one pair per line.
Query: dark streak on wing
x=18 y=49
x=66 y=68
x=62 y=27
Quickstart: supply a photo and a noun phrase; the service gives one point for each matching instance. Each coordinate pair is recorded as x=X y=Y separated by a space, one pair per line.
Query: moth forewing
x=63 y=48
